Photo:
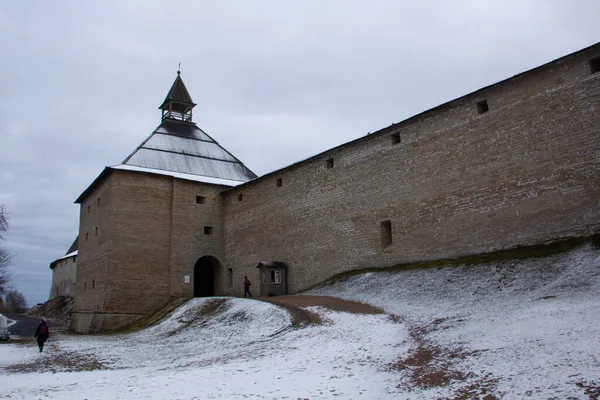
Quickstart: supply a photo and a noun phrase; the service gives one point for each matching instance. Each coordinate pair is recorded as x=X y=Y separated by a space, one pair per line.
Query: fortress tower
x=151 y=227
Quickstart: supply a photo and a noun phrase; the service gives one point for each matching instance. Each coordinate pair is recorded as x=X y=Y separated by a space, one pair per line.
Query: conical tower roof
x=178 y=93
x=179 y=146
x=182 y=147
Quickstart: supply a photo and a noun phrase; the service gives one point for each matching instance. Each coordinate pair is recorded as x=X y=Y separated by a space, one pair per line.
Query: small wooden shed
x=273 y=278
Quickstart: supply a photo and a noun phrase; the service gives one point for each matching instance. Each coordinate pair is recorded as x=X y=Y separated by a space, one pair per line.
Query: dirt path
x=296 y=305
x=323 y=301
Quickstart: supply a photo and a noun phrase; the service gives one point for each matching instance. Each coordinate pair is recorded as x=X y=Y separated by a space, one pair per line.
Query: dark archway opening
x=204 y=276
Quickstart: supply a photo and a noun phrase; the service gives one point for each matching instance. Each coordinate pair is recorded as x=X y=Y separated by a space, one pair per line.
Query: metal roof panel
x=188 y=164
x=187 y=146
x=182 y=129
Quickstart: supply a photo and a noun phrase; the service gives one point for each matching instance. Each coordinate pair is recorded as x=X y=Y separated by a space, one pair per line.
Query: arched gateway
x=206 y=270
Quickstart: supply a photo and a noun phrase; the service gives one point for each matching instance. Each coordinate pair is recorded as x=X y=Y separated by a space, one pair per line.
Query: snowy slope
x=243 y=349
x=527 y=329
x=521 y=329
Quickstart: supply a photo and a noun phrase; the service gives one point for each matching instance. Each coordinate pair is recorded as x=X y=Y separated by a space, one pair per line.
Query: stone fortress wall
x=64 y=274
x=512 y=164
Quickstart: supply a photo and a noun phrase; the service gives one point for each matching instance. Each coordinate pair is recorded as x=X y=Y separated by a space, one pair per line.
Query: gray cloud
x=275 y=82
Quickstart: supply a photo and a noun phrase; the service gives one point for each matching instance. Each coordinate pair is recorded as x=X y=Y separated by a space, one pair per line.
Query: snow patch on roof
x=179 y=175
x=66 y=256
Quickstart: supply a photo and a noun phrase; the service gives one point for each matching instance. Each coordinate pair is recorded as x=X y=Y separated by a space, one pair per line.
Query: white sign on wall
x=187 y=279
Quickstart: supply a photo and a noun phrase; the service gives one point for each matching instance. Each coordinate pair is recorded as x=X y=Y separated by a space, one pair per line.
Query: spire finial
x=179 y=69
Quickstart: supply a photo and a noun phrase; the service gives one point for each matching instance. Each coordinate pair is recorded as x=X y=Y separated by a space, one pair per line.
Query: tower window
x=329 y=163
x=93 y=284
x=279 y=182
x=386 y=233
x=89 y=209
x=200 y=199
x=482 y=107
x=230 y=277
x=96 y=231
x=208 y=230
x=240 y=197
x=98 y=201
x=86 y=236
x=595 y=65
x=85 y=286
x=396 y=138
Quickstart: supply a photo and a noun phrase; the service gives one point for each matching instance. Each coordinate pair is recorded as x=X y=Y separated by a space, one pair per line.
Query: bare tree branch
x=5 y=255
x=3 y=221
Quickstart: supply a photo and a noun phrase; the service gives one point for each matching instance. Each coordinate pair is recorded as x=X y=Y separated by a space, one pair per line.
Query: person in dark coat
x=247 y=287
x=42 y=333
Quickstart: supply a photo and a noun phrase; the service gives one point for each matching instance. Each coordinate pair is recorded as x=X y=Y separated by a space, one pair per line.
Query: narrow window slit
x=595 y=65
x=386 y=233
x=483 y=107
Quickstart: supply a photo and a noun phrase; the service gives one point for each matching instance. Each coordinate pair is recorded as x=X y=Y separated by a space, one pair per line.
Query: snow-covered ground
x=520 y=329
x=244 y=349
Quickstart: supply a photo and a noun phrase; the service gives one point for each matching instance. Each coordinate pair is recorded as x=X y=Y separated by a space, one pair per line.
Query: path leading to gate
x=297 y=305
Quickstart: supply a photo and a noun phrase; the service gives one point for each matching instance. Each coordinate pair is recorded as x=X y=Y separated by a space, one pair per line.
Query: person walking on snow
x=41 y=334
x=247 y=287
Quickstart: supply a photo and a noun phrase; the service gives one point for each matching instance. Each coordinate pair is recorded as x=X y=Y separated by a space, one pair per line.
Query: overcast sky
x=275 y=82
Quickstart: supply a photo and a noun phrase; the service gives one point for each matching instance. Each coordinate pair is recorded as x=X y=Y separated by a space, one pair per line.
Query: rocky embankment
x=56 y=311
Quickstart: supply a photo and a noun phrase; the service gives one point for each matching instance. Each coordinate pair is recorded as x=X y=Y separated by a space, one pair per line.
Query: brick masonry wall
x=95 y=251
x=155 y=229
x=126 y=266
x=64 y=275
x=189 y=242
x=459 y=182
x=141 y=232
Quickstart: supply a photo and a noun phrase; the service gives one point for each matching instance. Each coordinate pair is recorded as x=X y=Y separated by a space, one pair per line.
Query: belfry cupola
x=178 y=104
